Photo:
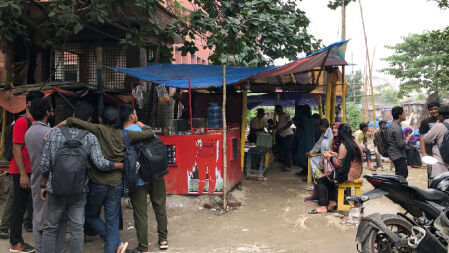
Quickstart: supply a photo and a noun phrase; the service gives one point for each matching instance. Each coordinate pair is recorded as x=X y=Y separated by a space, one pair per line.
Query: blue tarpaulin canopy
x=201 y=76
x=205 y=76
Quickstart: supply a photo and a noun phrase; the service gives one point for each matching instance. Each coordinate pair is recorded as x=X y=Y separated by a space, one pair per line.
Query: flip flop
x=314 y=211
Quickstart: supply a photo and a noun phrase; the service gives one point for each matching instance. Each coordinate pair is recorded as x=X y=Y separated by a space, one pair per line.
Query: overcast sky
x=386 y=21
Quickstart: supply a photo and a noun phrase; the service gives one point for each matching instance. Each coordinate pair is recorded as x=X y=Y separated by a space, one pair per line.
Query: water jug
x=214 y=116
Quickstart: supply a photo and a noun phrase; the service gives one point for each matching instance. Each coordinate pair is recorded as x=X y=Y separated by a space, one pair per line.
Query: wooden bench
x=341 y=187
x=309 y=166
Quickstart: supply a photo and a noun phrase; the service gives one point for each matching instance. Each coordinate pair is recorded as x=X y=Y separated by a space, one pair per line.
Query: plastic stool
x=357 y=184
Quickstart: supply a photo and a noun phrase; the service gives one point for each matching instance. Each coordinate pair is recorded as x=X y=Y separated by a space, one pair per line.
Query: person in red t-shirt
x=20 y=169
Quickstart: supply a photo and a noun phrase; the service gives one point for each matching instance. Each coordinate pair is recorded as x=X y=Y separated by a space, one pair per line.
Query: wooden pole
x=99 y=55
x=372 y=90
x=243 y=127
x=343 y=85
x=225 y=176
x=369 y=64
x=9 y=50
x=333 y=103
x=320 y=106
x=275 y=118
x=328 y=96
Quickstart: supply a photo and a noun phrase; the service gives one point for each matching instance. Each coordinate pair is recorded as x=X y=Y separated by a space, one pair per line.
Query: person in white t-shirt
x=284 y=136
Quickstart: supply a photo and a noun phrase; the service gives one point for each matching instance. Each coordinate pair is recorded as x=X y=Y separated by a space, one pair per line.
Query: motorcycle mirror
x=429 y=160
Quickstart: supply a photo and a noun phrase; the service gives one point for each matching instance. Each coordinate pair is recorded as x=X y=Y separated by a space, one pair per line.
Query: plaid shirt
x=90 y=144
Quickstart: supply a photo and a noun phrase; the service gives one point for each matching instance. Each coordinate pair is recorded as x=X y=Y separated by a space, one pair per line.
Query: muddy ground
x=273 y=218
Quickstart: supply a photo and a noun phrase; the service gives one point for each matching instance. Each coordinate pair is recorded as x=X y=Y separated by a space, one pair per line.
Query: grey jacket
x=396 y=142
x=435 y=136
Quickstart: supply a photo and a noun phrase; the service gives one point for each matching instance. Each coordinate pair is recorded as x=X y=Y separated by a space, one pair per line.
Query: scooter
x=391 y=232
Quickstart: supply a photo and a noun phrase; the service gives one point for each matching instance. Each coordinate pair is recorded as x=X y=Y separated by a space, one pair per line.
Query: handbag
x=326 y=166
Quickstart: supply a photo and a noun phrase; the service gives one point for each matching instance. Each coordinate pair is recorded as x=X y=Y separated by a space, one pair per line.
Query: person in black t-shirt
x=426 y=125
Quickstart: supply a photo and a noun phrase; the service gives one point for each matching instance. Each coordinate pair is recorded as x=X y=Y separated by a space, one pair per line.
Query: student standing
x=396 y=142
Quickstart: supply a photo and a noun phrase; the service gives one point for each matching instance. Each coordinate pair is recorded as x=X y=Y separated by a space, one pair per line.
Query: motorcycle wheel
x=378 y=242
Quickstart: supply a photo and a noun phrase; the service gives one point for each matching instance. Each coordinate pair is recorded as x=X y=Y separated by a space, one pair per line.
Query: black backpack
x=69 y=168
x=131 y=166
x=152 y=158
x=380 y=140
x=444 y=148
x=8 y=138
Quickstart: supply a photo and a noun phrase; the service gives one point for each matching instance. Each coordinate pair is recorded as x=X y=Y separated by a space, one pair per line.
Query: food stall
x=201 y=160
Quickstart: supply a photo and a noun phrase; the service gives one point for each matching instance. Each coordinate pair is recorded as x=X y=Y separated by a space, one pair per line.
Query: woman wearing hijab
x=413 y=157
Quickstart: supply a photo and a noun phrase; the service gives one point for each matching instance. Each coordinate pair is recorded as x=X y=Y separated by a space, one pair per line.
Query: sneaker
x=22 y=248
x=163 y=245
x=4 y=234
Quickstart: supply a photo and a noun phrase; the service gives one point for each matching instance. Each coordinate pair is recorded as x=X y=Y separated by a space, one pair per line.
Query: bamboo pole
x=343 y=85
x=225 y=176
x=99 y=56
x=369 y=64
x=320 y=106
x=8 y=79
x=333 y=103
x=243 y=127
x=328 y=96
x=372 y=90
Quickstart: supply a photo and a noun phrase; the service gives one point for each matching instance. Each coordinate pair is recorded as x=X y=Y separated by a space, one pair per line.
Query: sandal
x=314 y=211
x=163 y=245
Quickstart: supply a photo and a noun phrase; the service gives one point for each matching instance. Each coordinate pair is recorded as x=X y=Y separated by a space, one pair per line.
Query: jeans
x=400 y=167
x=58 y=208
x=326 y=190
x=20 y=202
x=285 y=146
x=110 y=198
x=7 y=206
x=156 y=190
x=367 y=152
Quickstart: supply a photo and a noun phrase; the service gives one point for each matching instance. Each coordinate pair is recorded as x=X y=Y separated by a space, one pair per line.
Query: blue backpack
x=131 y=166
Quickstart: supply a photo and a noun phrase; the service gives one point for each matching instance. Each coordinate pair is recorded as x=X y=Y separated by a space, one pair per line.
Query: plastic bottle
x=214 y=116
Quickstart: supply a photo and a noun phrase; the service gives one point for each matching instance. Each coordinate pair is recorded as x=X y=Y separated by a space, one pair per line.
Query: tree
x=443 y=4
x=253 y=32
x=240 y=32
x=421 y=61
x=354 y=115
x=338 y=3
x=386 y=94
x=355 y=93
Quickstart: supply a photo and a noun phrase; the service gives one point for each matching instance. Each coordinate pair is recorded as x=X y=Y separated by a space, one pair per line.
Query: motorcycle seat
x=431 y=194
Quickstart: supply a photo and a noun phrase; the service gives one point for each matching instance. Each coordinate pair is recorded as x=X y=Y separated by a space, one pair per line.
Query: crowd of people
x=337 y=154
x=70 y=172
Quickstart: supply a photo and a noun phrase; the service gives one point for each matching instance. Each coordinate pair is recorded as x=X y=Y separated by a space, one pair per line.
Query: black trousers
x=413 y=157
x=326 y=190
x=21 y=197
x=400 y=167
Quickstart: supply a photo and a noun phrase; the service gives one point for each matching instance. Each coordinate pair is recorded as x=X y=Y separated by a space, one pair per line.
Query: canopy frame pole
x=275 y=118
x=343 y=94
x=190 y=108
x=320 y=106
x=99 y=58
x=243 y=127
x=328 y=97
x=225 y=169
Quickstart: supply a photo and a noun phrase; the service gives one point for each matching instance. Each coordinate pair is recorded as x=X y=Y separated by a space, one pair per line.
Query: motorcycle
x=402 y=232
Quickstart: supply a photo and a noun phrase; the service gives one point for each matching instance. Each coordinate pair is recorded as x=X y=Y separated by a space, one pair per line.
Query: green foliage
x=245 y=32
x=387 y=94
x=338 y=3
x=421 y=61
x=240 y=32
x=354 y=115
x=355 y=93
x=443 y=4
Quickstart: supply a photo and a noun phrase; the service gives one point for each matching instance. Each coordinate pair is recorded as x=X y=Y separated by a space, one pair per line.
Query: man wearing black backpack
x=20 y=169
x=154 y=188
x=106 y=189
x=439 y=139
x=68 y=155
